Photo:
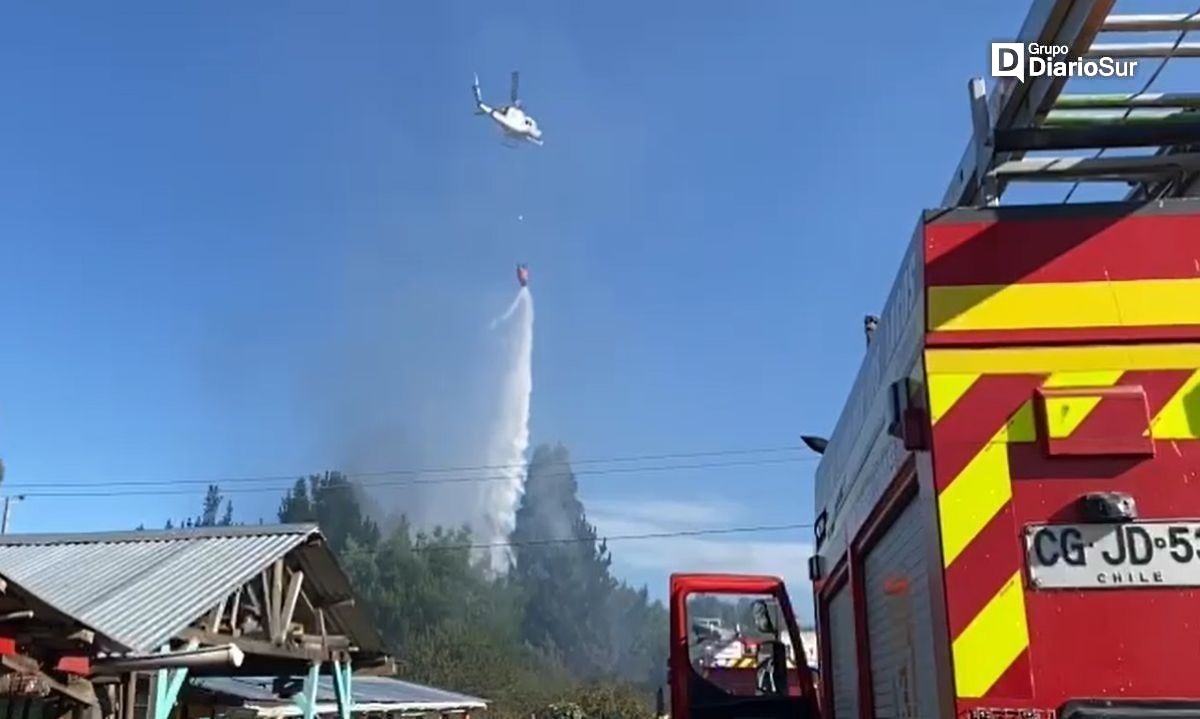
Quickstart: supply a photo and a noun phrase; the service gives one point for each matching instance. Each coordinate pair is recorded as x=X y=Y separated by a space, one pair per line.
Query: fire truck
x=1008 y=508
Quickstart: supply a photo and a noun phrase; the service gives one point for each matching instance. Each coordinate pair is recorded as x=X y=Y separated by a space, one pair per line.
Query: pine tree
x=568 y=582
x=212 y=505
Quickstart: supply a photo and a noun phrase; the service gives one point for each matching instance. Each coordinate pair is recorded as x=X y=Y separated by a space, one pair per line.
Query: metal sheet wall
x=899 y=619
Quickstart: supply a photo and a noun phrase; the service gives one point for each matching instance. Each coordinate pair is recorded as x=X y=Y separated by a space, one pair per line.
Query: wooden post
x=289 y=606
x=235 y=626
x=129 y=700
x=277 y=628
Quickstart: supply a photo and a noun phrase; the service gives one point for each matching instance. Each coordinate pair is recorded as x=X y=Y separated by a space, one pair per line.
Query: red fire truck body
x=1009 y=506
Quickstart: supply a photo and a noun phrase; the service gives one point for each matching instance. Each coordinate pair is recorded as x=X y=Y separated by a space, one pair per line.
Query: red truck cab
x=756 y=670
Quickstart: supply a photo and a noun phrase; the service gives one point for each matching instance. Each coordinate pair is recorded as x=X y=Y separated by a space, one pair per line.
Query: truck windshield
x=731 y=641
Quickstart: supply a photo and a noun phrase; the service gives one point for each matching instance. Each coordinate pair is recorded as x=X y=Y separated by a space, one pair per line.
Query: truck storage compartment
x=842 y=673
x=899 y=618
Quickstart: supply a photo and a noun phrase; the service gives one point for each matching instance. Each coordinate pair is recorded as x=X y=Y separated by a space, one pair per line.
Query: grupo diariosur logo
x=1023 y=61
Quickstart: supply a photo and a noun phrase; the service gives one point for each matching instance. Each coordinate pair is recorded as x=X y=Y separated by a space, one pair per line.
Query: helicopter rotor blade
x=513 y=93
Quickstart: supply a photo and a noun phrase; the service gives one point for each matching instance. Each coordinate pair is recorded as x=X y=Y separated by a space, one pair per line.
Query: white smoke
x=509 y=438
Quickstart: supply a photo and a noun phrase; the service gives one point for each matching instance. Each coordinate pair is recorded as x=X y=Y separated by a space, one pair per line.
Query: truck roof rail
x=1018 y=118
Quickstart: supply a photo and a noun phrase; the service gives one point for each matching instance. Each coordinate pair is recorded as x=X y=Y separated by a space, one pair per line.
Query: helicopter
x=511 y=118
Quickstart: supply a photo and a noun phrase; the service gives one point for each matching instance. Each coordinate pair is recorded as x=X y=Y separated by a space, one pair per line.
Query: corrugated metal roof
x=370 y=694
x=140 y=589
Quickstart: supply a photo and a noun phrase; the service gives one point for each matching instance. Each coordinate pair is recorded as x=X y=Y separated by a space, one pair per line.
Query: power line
x=618 y=537
x=32 y=490
x=291 y=478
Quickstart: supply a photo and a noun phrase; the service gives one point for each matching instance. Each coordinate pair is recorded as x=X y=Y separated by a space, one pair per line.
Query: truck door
x=736 y=650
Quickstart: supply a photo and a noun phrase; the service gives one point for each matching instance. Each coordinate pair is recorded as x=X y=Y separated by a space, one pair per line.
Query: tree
x=211 y=509
x=524 y=640
x=331 y=500
x=561 y=568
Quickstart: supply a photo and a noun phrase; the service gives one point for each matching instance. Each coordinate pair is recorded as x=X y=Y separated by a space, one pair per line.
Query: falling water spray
x=510 y=436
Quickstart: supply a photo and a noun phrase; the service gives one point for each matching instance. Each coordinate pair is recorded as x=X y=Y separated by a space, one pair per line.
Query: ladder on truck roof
x=1035 y=116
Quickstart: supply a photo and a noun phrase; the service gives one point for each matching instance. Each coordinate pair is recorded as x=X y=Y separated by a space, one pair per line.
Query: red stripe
x=981 y=570
x=1110 y=417
x=1063 y=250
x=1029 y=462
x=1016 y=682
x=1048 y=489
x=1065 y=336
x=975 y=418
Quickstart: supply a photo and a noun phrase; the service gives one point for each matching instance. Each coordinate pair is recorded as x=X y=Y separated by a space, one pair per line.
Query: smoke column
x=510 y=435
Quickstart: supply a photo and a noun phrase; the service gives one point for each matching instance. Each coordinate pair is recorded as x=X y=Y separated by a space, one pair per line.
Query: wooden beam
x=235 y=625
x=83 y=636
x=252 y=594
x=269 y=621
x=307 y=604
x=327 y=641
x=129 y=696
x=289 y=605
x=278 y=628
x=257 y=646
x=321 y=624
x=214 y=619
x=256 y=606
x=74 y=688
x=383 y=668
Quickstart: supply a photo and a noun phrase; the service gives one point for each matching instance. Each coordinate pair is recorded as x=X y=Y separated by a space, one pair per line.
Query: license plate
x=1113 y=556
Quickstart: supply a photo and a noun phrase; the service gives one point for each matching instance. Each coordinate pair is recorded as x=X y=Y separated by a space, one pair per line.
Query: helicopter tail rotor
x=478 y=94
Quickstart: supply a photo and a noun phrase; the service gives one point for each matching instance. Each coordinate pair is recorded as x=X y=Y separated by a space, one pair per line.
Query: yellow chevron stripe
x=945 y=390
x=1180 y=417
x=993 y=640
x=1044 y=305
x=983 y=487
x=1065 y=414
x=998 y=634
x=968 y=503
x=1037 y=360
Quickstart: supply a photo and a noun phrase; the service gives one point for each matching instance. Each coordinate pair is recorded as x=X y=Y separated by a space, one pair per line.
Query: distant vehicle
x=512 y=119
x=523 y=275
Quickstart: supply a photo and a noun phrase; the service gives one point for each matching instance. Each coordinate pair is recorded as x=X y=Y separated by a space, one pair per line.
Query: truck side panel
x=900 y=617
x=1063 y=358
x=865 y=457
x=862 y=457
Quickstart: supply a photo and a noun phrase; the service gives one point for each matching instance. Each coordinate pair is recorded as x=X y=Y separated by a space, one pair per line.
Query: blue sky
x=263 y=239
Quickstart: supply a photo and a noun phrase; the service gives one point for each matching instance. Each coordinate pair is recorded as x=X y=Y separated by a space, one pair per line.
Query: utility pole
x=8 y=500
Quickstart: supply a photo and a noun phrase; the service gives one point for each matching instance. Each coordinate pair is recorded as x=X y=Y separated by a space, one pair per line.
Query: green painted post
x=307 y=700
